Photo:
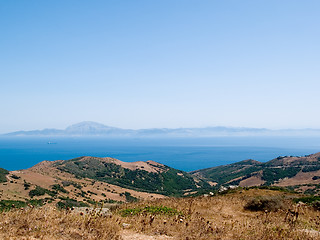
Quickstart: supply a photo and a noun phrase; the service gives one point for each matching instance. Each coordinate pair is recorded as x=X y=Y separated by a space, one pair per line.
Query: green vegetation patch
x=15 y=176
x=68 y=183
x=59 y=188
x=270 y=175
x=39 y=191
x=308 y=199
x=26 y=185
x=3 y=174
x=6 y=205
x=69 y=203
x=313 y=201
x=274 y=188
x=130 y=198
x=311 y=168
x=154 y=210
x=226 y=173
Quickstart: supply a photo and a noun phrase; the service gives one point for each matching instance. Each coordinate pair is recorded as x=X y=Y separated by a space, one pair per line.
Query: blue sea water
x=185 y=154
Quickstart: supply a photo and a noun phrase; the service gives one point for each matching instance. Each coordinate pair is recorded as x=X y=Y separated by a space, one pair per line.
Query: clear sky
x=162 y=63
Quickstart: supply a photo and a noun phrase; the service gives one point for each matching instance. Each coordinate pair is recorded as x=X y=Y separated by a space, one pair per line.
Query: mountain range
x=88 y=128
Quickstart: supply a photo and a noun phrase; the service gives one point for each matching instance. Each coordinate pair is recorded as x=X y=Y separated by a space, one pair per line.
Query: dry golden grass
x=224 y=217
x=218 y=217
x=50 y=223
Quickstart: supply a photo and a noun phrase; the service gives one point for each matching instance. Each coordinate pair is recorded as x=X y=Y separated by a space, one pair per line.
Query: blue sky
x=142 y=64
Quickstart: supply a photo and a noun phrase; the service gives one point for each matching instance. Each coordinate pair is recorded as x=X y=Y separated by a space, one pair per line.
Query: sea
x=186 y=154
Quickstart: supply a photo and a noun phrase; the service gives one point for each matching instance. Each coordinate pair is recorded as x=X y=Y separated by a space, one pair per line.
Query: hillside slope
x=299 y=173
x=86 y=180
x=142 y=176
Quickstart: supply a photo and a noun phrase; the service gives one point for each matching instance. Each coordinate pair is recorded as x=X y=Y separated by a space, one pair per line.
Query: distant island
x=89 y=128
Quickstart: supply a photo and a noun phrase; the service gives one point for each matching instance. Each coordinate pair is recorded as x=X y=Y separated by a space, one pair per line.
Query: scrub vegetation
x=3 y=174
x=243 y=214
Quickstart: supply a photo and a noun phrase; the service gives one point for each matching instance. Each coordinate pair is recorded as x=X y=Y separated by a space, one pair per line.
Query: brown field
x=217 y=217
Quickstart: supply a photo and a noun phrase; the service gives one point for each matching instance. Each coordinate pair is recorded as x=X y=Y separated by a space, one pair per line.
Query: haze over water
x=185 y=154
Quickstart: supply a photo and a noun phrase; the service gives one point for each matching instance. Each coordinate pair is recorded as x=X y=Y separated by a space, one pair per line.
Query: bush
x=130 y=198
x=59 y=188
x=268 y=203
x=39 y=191
x=15 y=176
x=26 y=185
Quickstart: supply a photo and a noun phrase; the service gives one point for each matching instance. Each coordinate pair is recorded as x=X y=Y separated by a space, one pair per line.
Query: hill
x=298 y=173
x=142 y=176
x=86 y=180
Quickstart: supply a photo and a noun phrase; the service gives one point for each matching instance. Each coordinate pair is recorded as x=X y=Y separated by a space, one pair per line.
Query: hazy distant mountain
x=97 y=129
x=93 y=128
x=79 y=129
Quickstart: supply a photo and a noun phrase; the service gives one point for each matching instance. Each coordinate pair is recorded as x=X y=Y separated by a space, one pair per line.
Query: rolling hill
x=87 y=180
x=91 y=179
x=298 y=173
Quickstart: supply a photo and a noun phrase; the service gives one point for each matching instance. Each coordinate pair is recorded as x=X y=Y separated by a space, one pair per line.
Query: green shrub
x=26 y=185
x=15 y=176
x=39 y=191
x=59 y=188
x=130 y=198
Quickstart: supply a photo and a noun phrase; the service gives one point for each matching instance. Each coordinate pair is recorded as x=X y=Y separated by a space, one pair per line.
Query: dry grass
x=218 y=217
x=50 y=223
x=224 y=217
